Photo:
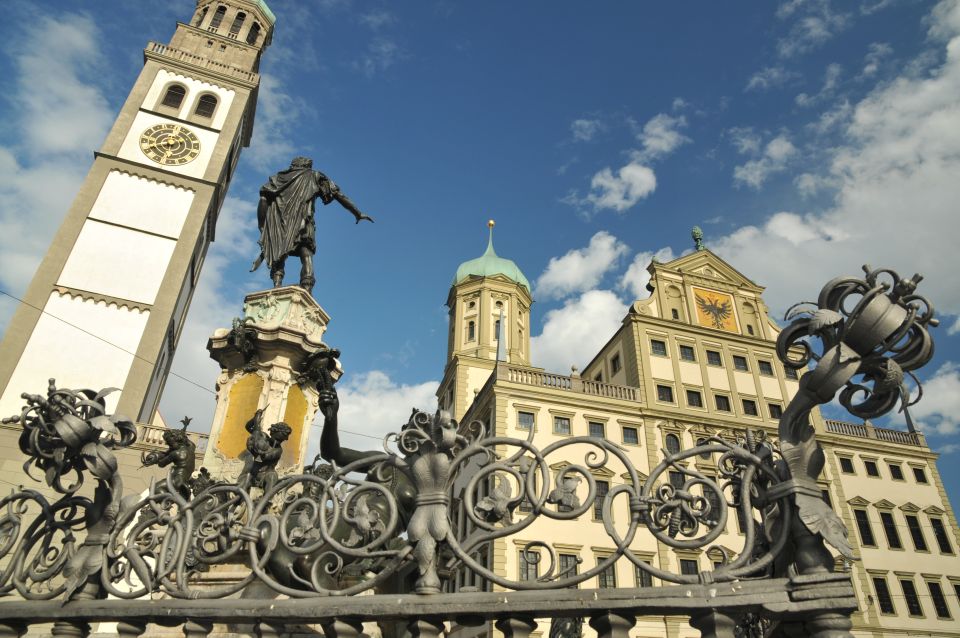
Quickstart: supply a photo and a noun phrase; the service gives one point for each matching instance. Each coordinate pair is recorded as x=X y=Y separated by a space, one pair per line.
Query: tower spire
x=490 y=250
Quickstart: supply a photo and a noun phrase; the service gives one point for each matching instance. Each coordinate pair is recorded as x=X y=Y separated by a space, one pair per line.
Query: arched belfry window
x=253 y=33
x=218 y=17
x=672 y=443
x=201 y=16
x=174 y=96
x=237 y=23
x=206 y=105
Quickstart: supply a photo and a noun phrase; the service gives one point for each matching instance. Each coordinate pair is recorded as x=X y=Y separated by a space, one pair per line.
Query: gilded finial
x=697 y=235
x=491 y=224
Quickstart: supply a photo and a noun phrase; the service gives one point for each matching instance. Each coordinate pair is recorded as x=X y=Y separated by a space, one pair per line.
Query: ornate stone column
x=263 y=358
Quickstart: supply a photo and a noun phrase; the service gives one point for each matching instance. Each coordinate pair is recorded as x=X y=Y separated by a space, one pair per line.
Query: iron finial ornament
x=697 y=235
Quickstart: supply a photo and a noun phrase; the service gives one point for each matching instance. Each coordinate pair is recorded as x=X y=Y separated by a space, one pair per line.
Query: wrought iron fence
x=369 y=520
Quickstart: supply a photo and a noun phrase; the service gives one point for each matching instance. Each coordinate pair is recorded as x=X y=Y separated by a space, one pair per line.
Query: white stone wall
x=143 y=204
x=118 y=262
x=75 y=353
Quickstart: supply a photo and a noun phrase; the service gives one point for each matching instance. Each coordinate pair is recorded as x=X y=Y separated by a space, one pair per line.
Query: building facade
x=115 y=285
x=695 y=359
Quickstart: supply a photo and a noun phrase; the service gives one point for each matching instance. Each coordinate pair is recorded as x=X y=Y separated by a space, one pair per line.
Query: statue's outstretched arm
x=347 y=203
x=330 y=448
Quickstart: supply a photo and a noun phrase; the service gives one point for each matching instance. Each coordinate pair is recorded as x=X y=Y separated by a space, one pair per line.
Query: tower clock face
x=170 y=144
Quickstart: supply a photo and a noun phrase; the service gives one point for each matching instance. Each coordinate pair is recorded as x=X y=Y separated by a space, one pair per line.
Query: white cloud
x=584 y=130
x=372 y=405
x=814 y=22
x=573 y=334
x=60 y=115
x=661 y=136
x=938 y=411
x=770 y=77
x=622 y=190
x=636 y=277
x=831 y=80
x=381 y=54
x=776 y=155
x=746 y=139
x=876 y=53
x=581 y=269
x=277 y=113
x=896 y=197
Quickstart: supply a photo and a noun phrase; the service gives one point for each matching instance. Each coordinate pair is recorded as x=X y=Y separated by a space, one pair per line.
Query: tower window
x=615 y=364
x=471 y=331
x=253 y=33
x=674 y=313
x=206 y=105
x=496 y=330
x=237 y=23
x=200 y=17
x=218 y=17
x=174 y=96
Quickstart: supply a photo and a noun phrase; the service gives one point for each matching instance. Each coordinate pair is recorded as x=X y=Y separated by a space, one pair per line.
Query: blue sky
x=806 y=138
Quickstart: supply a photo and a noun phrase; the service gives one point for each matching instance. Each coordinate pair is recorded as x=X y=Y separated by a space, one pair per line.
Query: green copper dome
x=490 y=264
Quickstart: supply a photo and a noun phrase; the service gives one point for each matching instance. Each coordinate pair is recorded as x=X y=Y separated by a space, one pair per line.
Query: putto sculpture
x=285 y=216
x=262 y=454
x=181 y=456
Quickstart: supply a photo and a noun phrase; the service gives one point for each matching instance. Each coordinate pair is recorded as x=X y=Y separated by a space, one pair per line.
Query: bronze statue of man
x=285 y=216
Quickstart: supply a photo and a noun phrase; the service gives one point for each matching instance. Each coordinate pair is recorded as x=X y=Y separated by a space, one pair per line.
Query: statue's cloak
x=285 y=215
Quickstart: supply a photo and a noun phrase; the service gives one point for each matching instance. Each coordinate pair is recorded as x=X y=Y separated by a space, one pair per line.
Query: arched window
x=496 y=331
x=206 y=105
x=218 y=17
x=471 y=331
x=253 y=33
x=174 y=96
x=672 y=443
x=237 y=23
x=704 y=455
x=200 y=17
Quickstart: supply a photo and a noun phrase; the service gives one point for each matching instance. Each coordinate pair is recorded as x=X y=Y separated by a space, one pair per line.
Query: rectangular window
x=597 y=429
x=939 y=600
x=643 y=577
x=687 y=353
x=665 y=393
x=896 y=472
x=750 y=407
x=599 y=377
x=714 y=358
x=525 y=420
x=658 y=347
x=740 y=363
x=723 y=403
x=890 y=529
x=676 y=479
x=607 y=579
x=688 y=567
x=561 y=425
x=694 y=399
x=910 y=595
x=569 y=566
x=529 y=565
x=765 y=368
x=713 y=500
x=863 y=526
x=615 y=364
x=775 y=410
x=871 y=468
x=630 y=436
x=940 y=533
x=846 y=465
x=790 y=372
x=916 y=533
x=919 y=475
x=884 y=600
x=603 y=487
x=674 y=313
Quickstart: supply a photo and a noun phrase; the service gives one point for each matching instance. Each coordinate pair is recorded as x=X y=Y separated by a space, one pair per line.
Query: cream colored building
x=680 y=369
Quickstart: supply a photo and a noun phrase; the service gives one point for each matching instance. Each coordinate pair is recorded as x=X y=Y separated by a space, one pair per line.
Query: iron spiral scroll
x=440 y=491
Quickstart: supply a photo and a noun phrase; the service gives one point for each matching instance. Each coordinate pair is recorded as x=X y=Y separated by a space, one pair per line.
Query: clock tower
x=108 y=302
